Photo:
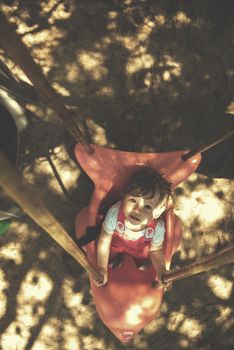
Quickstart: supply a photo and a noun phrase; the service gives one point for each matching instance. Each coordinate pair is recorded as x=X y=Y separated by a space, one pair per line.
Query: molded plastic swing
x=128 y=302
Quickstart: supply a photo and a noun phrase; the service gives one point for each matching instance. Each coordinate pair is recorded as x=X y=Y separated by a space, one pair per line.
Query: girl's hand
x=158 y=279
x=103 y=273
x=158 y=282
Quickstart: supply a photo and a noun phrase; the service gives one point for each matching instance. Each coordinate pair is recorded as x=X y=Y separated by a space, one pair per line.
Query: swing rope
x=213 y=261
x=19 y=192
x=204 y=148
x=11 y=42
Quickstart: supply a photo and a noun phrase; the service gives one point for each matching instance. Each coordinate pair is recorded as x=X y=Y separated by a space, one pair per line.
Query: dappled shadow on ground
x=139 y=76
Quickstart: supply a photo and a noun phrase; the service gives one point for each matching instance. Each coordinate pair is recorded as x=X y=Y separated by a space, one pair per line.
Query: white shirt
x=110 y=224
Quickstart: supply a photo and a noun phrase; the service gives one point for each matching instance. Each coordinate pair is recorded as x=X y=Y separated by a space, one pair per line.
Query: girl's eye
x=148 y=207
x=132 y=200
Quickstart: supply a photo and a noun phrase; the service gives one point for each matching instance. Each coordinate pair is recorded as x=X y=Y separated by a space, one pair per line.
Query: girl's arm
x=103 y=252
x=157 y=258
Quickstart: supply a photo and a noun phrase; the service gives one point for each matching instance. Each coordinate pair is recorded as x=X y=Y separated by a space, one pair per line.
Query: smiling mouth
x=135 y=218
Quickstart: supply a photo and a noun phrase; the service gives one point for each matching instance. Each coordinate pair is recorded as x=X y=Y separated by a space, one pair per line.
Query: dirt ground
x=140 y=76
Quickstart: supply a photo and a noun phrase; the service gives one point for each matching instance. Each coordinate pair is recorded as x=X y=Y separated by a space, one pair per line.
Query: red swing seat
x=128 y=302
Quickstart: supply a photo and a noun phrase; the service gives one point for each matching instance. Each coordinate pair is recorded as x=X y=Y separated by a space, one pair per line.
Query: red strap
x=120 y=224
x=121 y=216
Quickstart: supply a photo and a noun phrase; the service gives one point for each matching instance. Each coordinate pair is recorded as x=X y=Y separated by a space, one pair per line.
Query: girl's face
x=140 y=210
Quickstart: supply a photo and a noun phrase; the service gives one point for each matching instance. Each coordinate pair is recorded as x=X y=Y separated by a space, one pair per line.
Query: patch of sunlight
x=43 y=255
x=150 y=23
x=97 y=132
x=148 y=79
x=134 y=314
x=12 y=250
x=112 y=25
x=191 y=328
x=145 y=30
x=72 y=72
x=140 y=343
x=112 y=14
x=73 y=300
x=26 y=315
x=105 y=42
x=203 y=204
x=48 y=337
x=48 y=5
x=175 y=67
x=42 y=36
x=157 y=324
x=143 y=61
x=23 y=232
x=106 y=91
x=4 y=284
x=65 y=167
x=35 y=109
x=9 y=9
x=45 y=113
x=93 y=63
x=37 y=286
x=60 y=89
x=23 y=28
x=51 y=328
x=230 y=107
x=128 y=2
x=211 y=240
x=148 y=303
x=166 y=76
x=29 y=175
x=220 y=286
x=164 y=307
x=71 y=336
x=176 y=319
x=224 y=313
x=39 y=345
x=91 y=342
x=159 y=20
x=68 y=177
x=184 y=343
x=191 y=253
x=60 y=14
x=206 y=76
x=127 y=41
x=11 y=340
x=181 y=18
x=187 y=235
x=43 y=44
x=18 y=332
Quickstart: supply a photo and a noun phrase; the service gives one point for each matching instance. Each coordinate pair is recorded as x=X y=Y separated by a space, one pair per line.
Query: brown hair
x=147 y=183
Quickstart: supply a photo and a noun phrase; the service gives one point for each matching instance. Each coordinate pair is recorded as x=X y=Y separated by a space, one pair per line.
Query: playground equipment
x=128 y=302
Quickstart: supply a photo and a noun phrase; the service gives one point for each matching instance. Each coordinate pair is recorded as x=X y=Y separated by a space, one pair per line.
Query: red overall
x=138 y=248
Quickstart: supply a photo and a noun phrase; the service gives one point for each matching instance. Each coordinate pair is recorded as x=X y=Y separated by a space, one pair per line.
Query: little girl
x=135 y=225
